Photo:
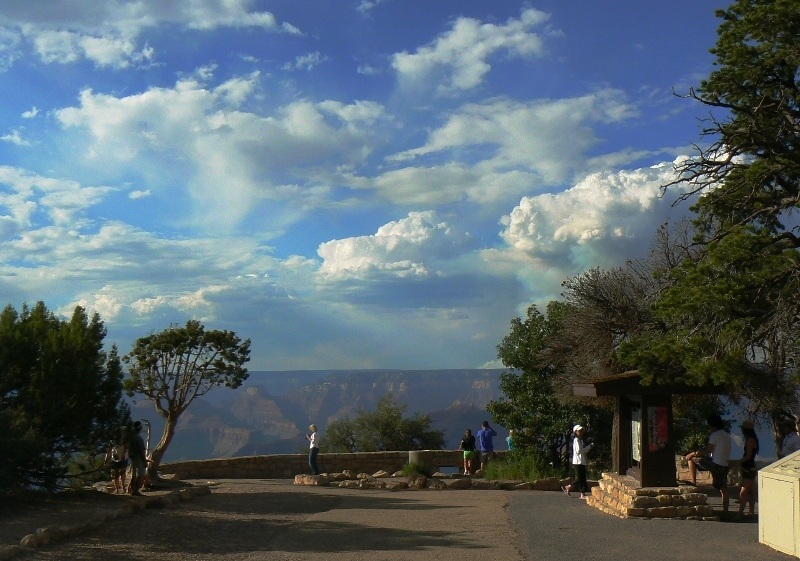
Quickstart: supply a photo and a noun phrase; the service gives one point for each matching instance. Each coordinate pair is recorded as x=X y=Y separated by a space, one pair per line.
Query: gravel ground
x=259 y=519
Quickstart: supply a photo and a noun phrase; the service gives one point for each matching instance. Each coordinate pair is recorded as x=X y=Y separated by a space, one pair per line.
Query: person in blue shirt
x=485 y=444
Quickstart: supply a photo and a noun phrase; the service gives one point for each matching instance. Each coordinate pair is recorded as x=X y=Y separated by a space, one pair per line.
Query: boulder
x=417 y=481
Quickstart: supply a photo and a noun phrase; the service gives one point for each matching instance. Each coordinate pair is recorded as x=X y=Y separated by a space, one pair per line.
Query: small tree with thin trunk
x=179 y=364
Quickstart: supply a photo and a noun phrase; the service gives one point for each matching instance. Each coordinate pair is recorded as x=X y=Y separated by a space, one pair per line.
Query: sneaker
x=566 y=490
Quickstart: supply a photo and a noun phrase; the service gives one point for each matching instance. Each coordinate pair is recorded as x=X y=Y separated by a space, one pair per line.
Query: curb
x=51 y=534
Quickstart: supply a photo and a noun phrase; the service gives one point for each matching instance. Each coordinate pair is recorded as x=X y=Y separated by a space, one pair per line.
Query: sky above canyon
x=347 y=183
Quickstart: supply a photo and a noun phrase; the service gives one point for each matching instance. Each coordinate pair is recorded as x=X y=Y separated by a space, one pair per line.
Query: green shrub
x=520 y=466
x=413 y=468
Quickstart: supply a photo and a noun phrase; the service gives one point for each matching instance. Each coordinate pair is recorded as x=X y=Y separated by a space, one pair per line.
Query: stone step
x=622 y=496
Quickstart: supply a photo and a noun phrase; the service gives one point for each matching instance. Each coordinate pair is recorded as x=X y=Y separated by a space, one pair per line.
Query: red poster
x=658 y=428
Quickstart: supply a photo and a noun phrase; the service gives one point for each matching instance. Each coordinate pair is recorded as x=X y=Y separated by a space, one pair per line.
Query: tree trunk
x=158 y=452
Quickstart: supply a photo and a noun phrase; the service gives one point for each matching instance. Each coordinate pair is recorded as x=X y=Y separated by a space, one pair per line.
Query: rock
x=549 y=484
x=463 y=483
x=437 y=485
x=349 y=484
x=417 y=481
x=363 y=476
x=396 y=486
x=398 y=474
x=380 y=474
x=483 y=484
x=371 y=484
x=315 y=480
x=349 y=474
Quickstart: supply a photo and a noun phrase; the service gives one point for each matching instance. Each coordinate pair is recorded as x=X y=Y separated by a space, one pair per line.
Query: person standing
x=749 y=471
x=138 y=456
x=791 y=439
x=579 y=462
x=468 y=446
x=313 y=449
x=510 y=440
x=714 y=458
x=117 y=457
x=485 y=443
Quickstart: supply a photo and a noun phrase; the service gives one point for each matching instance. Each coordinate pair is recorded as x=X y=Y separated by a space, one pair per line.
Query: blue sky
x=348 y=183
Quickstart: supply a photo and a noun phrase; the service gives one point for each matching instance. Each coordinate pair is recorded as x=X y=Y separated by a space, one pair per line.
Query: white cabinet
x=779 y=505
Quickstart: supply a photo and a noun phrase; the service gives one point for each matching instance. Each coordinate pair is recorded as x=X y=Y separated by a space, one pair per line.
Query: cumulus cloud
x=604 y=219
x=410 y=247
x=15 y=137
x=459 y=59
x=108 y=33
x=24 y=196
x=233 y=159
x=502 y=149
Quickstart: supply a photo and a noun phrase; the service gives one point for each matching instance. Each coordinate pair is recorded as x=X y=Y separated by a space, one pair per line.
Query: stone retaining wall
x=286 y=466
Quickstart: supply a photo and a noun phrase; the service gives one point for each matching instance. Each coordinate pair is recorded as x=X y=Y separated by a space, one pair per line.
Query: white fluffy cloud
x=410 y=247
x=503 y=148
x=232 y=158
x=108 y=32
x=604 y=218
x=459 y=59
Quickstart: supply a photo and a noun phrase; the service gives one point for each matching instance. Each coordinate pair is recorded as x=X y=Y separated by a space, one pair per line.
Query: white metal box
x=779 y=504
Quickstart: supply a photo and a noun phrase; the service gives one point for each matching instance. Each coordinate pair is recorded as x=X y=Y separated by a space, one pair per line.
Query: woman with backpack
x=117 y=456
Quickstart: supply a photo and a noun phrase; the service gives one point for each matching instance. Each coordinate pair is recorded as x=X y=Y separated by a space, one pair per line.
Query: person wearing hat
x=579 y=462
x=714 y=458
x=746 y=493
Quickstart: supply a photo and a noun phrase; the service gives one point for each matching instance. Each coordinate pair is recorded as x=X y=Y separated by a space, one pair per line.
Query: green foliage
x=521 y=466
x=731 y=313
x=413 y=468
x=173 y=367
x=382 y=430
x=530 y=404
x=690 y=428
x=60 y=394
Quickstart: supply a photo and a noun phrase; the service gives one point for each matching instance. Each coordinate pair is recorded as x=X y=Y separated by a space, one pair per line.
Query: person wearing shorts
x=470 y=453
x=714 y=459
x=485 y=443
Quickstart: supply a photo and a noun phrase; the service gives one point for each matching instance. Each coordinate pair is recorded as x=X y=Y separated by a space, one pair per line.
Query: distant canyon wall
x=271 y=411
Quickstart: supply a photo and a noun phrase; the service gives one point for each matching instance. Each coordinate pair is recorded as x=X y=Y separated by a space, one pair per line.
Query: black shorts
x=719 y=474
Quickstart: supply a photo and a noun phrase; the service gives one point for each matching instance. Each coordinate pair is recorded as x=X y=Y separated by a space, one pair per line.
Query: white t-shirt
x=722 y=447
x=313 y=441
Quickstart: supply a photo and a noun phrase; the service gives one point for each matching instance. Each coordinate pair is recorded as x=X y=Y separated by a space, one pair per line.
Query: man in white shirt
x=714 y=458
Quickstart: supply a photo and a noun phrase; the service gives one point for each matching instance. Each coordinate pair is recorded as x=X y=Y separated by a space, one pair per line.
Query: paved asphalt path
x=554 y=527
x=249 y=520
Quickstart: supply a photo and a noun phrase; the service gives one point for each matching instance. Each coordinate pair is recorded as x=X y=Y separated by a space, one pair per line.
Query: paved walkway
x=244 y=520
x=553 y=527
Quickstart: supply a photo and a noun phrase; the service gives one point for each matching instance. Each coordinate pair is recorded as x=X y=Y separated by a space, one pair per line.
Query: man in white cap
x=579 y=462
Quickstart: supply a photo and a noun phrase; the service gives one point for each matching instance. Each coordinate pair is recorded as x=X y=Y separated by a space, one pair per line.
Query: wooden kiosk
x=644 y=447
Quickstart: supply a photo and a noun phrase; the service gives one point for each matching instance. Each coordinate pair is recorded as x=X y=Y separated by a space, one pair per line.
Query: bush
x=413 y=468
x=520 y=466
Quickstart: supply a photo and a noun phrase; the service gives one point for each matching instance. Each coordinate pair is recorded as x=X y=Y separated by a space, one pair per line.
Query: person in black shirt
x=470 y=453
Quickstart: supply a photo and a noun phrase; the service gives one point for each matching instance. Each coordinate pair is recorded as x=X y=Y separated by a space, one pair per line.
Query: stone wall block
x=645 y=502
x=663 y=512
